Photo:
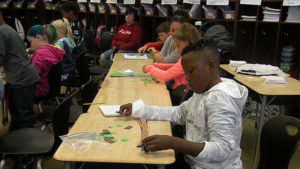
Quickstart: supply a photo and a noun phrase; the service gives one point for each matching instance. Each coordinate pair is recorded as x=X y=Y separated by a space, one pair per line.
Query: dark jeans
x=21 y=105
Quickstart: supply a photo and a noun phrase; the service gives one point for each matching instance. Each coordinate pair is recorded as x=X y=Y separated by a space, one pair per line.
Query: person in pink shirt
x=184 y=36
x=45 y=56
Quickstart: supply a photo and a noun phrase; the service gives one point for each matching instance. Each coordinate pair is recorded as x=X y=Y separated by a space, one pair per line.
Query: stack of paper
x=259 y=69
x=248 y=18
x=136 y=56
x=110 y=110
x=271 y=14
x=236 y=63
x=293 y=14
x=274 y=79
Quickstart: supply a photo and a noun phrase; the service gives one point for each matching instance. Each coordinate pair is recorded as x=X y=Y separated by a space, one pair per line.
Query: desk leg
x=69 y=165
x=161 y=166
x=260 y=125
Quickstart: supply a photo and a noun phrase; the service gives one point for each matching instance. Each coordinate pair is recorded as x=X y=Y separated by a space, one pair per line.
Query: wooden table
x=116 y=91
x=266 y=92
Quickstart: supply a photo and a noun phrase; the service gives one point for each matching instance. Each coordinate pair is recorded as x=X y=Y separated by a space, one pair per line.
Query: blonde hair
x=188 y=33
x=64 y=26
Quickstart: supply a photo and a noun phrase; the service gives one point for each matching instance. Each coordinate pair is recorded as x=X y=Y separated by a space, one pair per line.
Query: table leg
x=161 y=166
x=260 y=125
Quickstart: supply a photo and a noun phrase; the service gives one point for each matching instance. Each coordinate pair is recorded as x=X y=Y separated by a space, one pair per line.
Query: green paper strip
x=124 y=139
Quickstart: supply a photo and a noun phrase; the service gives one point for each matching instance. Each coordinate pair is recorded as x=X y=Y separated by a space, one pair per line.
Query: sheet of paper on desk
x=110 y=110
x=136 y=56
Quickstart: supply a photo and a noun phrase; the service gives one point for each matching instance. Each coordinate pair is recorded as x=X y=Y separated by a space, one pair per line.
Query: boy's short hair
x=181 y=12
x=163 y=28
x=179 y=19
x=131 y=10
x=207 y=48
x=70 y=6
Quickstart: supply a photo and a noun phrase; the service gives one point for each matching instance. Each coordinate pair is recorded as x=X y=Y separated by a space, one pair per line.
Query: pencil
x=85 y=104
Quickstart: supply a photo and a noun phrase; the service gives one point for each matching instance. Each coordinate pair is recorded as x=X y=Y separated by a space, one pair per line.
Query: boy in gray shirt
x=21 y=76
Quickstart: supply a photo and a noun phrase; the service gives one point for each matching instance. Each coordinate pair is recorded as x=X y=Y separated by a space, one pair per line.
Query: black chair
x=106 y=39
x=280 y=138
x=34 y=142
x=82 y=66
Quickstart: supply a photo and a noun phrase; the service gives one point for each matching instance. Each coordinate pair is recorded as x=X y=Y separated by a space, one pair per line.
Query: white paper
x=82 y=1
x=192 y=1
x=96 y=1
x=217 y=2
x=169 y=2
x=136 y=56
x=111 y=1
x=129 y=2
x=110 y=110
x=147 y=1
x=291 y=2
x=251 y=2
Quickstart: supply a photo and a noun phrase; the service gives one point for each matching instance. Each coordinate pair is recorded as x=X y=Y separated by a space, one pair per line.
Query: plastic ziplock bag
x=81 y=142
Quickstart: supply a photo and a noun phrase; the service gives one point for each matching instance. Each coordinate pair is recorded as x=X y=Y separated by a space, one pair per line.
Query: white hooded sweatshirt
x=213 y=117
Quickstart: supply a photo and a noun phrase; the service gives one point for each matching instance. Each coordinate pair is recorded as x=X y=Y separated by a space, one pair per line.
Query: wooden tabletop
x=116 y=91
x=257 y=84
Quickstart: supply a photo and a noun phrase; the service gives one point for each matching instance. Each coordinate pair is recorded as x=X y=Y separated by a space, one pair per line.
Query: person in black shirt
x=69 y=10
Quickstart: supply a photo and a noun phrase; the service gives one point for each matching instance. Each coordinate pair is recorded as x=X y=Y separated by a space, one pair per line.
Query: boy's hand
x=125 y=110
x=144 y=68
x=151 y=50
x=158 y=142
x=142 y=49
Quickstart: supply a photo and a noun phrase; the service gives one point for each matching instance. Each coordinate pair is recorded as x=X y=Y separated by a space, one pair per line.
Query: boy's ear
x=212 y=65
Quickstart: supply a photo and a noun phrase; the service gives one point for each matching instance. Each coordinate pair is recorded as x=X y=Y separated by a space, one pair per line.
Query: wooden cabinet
x=256 y=41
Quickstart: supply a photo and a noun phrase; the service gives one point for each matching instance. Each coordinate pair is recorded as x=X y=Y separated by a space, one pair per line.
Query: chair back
x=61 y=119
x=54 y=80
x=82 y=65
x=279 y=139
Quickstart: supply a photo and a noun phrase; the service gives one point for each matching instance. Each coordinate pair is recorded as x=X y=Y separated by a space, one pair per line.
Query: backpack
x=225 y=43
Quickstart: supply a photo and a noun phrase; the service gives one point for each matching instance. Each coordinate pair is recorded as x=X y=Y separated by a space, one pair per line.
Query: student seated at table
x=66 y=42
x=186 y=35
x=128 y=37
x=212 y=116
x=168 y=53
x=45 y=55
x=163 y=34
x=70 y=10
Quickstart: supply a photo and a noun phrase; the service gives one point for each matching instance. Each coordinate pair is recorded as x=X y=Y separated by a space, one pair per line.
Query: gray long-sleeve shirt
x=213 y=117
x=169 y=52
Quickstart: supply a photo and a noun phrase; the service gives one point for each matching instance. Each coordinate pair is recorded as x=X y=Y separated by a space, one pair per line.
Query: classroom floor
x=247 y=145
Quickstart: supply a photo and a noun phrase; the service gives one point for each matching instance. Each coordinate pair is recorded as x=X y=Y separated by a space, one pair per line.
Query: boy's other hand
x=125 y=110
x=142 y=49
x=152 y=51
x=158 y=142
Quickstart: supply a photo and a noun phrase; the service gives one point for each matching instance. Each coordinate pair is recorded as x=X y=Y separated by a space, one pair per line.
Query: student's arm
x=135 y=39
x=2 y=48
x=116 y=38
x=164 y=66
x=172 y=57
x=222 y=120
x=158 y=58
x=1 y=60
x=176 y=114
x=157 y=45
x=38 y=62
x=164 y=142
x=166 y=75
